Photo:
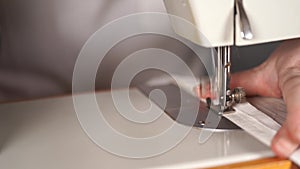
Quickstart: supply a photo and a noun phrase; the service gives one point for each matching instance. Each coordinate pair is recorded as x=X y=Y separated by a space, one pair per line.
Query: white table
x=46 y=134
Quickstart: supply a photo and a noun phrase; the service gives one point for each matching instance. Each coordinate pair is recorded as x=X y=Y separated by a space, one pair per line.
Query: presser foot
x=236 y=96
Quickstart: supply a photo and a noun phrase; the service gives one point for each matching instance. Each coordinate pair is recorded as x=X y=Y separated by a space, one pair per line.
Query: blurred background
x=41 y=39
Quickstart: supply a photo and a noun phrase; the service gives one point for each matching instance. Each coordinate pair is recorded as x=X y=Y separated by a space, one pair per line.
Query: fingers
x=288 y=138
x=255 y=81
x=293 y=109
x=203 y=91
x=249 y=80
x=262 y=81
x=283 y=144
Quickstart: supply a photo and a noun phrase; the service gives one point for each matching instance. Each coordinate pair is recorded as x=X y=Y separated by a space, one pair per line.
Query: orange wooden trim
x=268 y=163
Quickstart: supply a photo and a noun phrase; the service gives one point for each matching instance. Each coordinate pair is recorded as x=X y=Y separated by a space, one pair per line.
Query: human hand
x=279 y=76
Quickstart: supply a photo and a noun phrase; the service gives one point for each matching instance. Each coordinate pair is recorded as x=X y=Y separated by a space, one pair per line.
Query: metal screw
x=238 y=95
x=202 y=123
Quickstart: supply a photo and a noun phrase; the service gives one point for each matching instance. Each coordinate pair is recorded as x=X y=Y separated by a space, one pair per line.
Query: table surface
x=46 y=134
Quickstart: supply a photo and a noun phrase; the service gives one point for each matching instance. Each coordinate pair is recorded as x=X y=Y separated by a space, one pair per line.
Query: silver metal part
x=246 y=31
x=238 y=95
x=223 y=75
x=227 y=98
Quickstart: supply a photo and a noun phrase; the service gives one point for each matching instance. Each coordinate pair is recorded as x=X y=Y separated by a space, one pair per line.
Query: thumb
x=288 y=137
x=283 y=144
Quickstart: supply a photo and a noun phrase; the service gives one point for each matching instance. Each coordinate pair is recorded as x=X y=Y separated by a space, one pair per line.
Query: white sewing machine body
x=225 y=23
x=270 y=20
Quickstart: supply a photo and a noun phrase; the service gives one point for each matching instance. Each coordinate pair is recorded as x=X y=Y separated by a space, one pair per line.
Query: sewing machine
x=225 y=23
x=46 y=133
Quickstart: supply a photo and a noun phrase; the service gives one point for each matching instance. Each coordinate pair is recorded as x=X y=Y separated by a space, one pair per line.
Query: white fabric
x=258 y=124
